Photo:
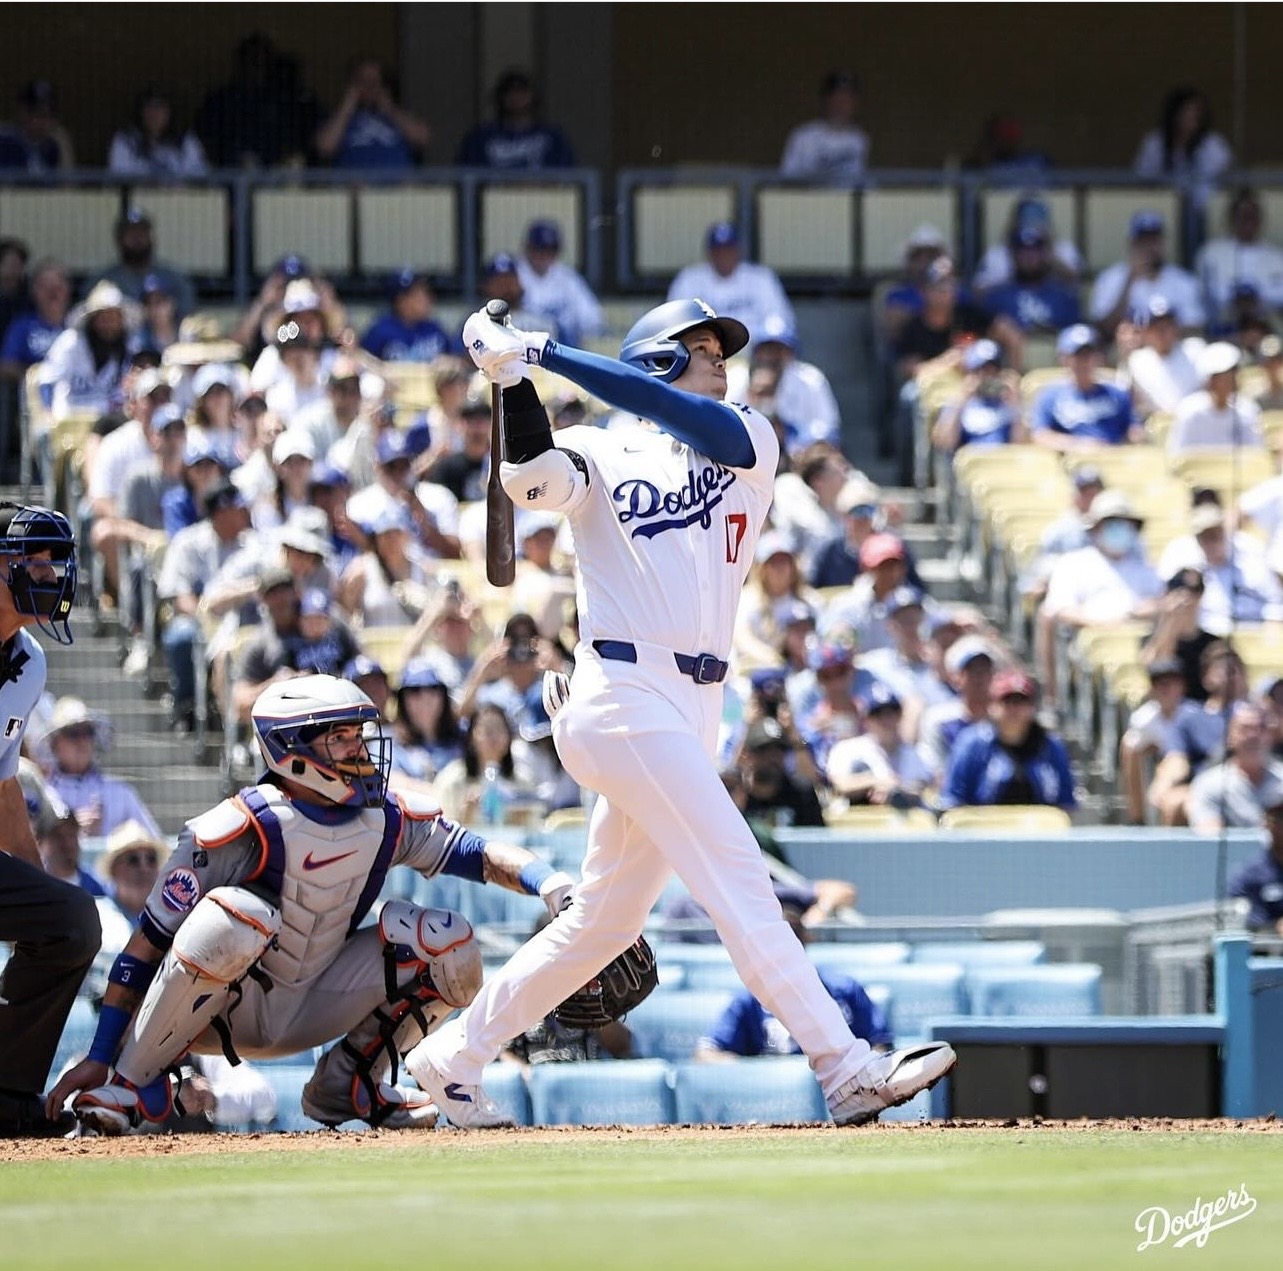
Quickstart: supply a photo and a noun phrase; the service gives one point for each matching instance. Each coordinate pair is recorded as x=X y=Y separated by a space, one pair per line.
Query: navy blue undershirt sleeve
x=709 y=426
x=467 y=857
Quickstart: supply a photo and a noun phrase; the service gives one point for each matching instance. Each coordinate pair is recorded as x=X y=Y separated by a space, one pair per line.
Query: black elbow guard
x=526 y=430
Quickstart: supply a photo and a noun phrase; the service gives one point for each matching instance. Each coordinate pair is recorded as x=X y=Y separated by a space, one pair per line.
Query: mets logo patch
x=181 y=890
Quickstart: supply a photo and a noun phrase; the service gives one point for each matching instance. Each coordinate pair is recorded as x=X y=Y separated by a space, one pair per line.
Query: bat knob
x=497 y=310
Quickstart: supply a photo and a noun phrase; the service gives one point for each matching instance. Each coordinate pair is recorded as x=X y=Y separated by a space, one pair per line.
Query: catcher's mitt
x=631 y=978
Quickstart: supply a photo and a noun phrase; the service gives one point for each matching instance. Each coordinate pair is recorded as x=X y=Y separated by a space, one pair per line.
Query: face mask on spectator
x=1117 y=538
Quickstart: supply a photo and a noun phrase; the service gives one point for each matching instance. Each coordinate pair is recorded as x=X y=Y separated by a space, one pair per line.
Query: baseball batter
x=251 y=941
x=665 y=517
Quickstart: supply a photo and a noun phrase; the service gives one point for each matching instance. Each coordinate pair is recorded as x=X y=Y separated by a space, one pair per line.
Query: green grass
x=956 y=1199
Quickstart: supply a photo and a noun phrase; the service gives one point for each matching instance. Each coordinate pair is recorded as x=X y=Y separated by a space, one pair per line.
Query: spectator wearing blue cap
x=969 y=666
x=195 y=554
x=1083 y=411
x=998 y=264
x=832 y=149
x=370 y=677
x=426 y=734
x=878 y=767
x=136 y=263
x=369 y=130
x=798 y=394
x=1126 y=287
x=390 y=583
x=181 y=505
x=517 y=137
x=1163 y=367
x=989 y=411
x=829 y=711
x=908 y=666
x=430 y=508
x=555 y=291
x=731 y=284
x=407 y=332
x=501 y=280
x=328 y=493
x=154 y=145
x=1035 y=298
x=1241 y=256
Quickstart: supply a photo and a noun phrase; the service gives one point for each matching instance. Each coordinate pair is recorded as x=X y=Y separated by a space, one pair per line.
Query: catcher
x=251 y=941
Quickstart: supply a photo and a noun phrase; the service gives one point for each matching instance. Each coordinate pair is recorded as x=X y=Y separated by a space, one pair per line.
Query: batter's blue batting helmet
x=42 y=587
x=653 y=344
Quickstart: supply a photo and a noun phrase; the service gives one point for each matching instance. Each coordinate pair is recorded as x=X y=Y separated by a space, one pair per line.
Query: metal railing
x=666 y=211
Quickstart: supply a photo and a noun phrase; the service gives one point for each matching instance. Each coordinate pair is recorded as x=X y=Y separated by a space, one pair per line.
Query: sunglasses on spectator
x=1012 y=699
x=82 y=732
x=141 y=857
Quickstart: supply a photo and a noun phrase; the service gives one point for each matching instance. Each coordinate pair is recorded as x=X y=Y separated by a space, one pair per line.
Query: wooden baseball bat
x=501 y=543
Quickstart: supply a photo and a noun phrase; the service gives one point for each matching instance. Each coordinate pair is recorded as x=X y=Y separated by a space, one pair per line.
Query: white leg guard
x=432 y=964
x=226 y=933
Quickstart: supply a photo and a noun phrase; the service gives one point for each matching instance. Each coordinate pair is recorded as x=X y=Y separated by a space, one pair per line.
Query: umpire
x=53 y=926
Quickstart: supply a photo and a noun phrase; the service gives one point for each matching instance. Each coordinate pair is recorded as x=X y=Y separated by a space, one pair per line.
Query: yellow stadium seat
x=1120 y=465
x=881 y=820
x=1272 y=428
x=1017 y=818
x=565 y=819
x=1231 y=471
x=386 y=645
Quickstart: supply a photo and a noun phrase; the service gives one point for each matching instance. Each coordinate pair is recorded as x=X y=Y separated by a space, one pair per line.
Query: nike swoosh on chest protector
x=310 y=863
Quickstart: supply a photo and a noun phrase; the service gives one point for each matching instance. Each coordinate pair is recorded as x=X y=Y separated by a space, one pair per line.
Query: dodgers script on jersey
x=672 y=531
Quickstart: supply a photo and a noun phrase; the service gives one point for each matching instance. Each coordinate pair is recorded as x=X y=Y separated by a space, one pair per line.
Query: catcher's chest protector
x=327 y=876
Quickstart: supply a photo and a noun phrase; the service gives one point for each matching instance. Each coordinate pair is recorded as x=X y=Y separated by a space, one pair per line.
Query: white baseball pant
x=643 y=737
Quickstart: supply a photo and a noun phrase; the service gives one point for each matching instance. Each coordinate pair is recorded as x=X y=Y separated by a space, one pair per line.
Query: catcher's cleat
x=889 y=1080
x=397 y=1107
x=465 y=1107
x=121 y=1108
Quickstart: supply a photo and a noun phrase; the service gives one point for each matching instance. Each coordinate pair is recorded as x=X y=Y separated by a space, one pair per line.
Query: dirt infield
x=375 y=1140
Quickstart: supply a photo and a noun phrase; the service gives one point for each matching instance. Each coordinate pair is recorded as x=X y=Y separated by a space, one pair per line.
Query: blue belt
x=703 y=668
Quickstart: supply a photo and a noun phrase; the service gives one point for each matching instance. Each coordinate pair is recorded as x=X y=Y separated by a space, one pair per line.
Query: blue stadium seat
x=715 y=974
x=442 y=892
x=604 y=1092
x=771 y=1090
x=1064 y=988
x=859 y=961
x=981 y=953
x=670 y=1021
x=299 y=1057
x=676 y=958
x=288 y=1081
x=77 y=1034
x=918 y=995
x=506 y=1085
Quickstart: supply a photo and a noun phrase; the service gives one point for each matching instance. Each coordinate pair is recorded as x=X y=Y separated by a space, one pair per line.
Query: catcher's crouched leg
x=432 y=965
x=225 y=934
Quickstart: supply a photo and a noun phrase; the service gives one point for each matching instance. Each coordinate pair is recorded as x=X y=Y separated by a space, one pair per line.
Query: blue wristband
x=533 y=876
x=112 y=1022
x=132 y=973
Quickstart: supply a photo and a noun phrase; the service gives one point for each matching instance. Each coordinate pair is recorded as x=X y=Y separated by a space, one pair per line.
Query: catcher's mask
x=38 y=549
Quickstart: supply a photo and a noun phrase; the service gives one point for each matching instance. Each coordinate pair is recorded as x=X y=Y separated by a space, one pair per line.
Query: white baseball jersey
x=804 y=402
x=1176 y=286
x=751 y=292
x=76 y=383
x=821 y=151
x=664 y=536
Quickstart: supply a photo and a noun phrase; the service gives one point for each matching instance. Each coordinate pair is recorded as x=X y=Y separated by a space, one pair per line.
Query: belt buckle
x=706 y=669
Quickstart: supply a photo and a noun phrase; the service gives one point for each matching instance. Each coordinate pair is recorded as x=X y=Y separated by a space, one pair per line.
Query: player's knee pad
x=437 y=946
x=224 y=935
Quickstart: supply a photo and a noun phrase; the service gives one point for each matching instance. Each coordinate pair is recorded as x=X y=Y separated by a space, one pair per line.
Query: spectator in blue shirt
x=1011 y=758
x=369 y=130
x=1260 y=882
x=988 y=413
x=1083 y=412
x=516 y=138
x=746 y=1029
x=29 y=335
x=1034 y=298
x=904 y=300
x=408 y=332
x=37 y=142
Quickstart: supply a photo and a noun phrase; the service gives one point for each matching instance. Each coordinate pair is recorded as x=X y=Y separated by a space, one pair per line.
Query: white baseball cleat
x=889 y=1080
x=119 y=1108
x=464 y=1107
